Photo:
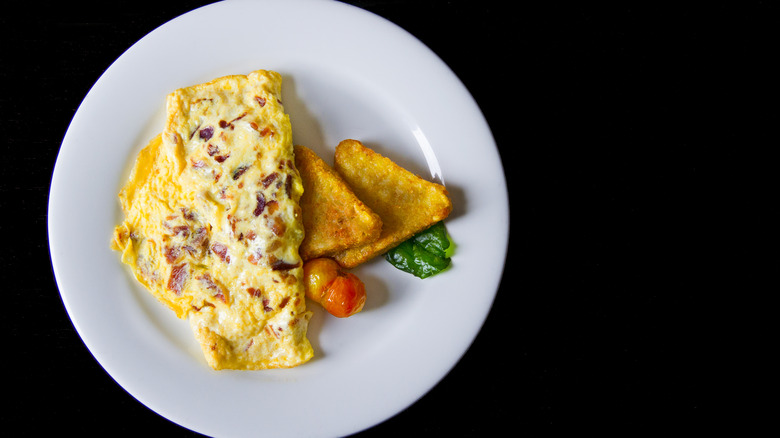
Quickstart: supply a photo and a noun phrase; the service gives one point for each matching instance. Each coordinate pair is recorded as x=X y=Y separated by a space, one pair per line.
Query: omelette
x=212 y=222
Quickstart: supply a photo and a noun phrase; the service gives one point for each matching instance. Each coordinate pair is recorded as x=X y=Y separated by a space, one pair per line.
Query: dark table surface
x=617 y=131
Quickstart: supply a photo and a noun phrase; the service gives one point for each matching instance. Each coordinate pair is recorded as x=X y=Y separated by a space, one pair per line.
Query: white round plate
x=347 y=73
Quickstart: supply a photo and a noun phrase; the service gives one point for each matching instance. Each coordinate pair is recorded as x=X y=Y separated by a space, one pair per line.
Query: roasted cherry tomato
x=341 y=293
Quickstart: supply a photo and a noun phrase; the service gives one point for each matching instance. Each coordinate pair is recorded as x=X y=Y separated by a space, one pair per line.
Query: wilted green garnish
x=425 y=254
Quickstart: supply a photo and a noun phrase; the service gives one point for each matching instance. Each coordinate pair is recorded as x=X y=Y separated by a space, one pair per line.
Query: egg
x=212 y=222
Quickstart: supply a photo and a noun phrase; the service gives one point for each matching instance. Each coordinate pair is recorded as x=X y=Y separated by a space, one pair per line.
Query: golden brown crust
x=334 y=219
x=405 y=202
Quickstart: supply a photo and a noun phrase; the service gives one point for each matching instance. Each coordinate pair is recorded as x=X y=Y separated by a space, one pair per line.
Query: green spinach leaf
x=425 y=254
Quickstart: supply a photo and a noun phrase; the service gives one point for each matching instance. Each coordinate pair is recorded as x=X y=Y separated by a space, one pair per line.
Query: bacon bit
x=189 y=215
x=219 y=292
x=172 y=253
x=222 y=158
x=260 y=100
x=241 y=185
x=255 y=258
x=288 y=186
x=277 y=226
x=206 y=279
x=223 y=124
x=267 y=131
x=238 y=118
x=193 y=132
x=251 y=235
x=266 y=307
x=181 y=229
x=216 y=178
x=233 y=221
x=206 y=304
x=271 y=331
x=206 y=133
x=239 y=171
x=274 y=245
x=272 y=206
x=260 y=204
x=257 y=293
x=198 y=164
x=253 y=125
x=200 y=237
x=281 y=265
x=177 y=278
x=269 y=179
x=211 y=149
x=221 y=251
x=284 y=302
x=148 y=272
x=251 y=341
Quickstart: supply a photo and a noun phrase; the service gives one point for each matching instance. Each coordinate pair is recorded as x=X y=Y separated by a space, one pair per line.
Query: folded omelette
x=213 y=225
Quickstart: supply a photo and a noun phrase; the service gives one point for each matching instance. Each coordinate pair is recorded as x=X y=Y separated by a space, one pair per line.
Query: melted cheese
x=212 y=222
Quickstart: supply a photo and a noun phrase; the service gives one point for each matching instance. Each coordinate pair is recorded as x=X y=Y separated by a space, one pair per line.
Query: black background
x=629 y=133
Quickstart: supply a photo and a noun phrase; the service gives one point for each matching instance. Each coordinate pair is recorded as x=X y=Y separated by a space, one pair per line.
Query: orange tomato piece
x=345 y=296
x=341 y=293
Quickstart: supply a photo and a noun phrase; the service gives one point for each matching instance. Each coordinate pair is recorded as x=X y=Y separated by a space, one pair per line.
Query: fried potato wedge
x=405 y=202
x=334 y=219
